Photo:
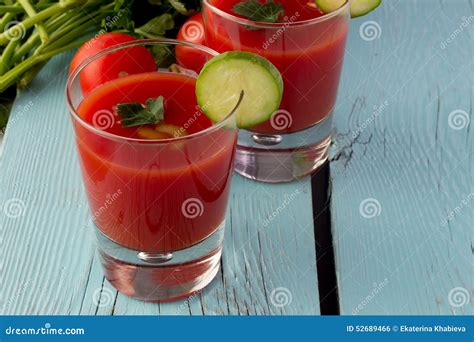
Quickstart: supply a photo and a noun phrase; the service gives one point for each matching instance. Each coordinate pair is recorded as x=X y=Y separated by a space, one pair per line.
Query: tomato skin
x=193 y=32
x=128 y=61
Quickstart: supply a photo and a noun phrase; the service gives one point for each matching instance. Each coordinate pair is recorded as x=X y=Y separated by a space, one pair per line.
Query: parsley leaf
x=254 y=10
x=135 y=114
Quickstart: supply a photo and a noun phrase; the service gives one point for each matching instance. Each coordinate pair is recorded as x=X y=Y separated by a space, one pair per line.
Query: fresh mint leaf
x=254 y=10
x=135 y=114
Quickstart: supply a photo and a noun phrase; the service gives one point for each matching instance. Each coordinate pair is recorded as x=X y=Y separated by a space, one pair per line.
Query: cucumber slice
x=222 y=80
x=358 y=7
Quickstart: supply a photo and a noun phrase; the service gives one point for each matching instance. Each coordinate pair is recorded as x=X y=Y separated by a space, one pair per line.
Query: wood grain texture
x=49 y=263
x=402 y=166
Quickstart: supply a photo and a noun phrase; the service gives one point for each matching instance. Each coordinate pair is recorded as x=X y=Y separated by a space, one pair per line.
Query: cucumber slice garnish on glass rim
x=222 y=80
x=358 y=7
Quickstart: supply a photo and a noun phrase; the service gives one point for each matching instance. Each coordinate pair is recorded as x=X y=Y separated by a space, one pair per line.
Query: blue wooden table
x=399 y=221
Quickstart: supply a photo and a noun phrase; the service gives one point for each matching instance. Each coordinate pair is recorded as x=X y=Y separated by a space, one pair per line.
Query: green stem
x=74 y=31
x=51 y=25
x=5 y=20
x=6 y=60
x=31 y=21
x=18 y=9
x=11 y=9
x=146 y=35
x=10 y=77
x=32 y=42
x=81 y=32
x=29 y=75
x=31 y=12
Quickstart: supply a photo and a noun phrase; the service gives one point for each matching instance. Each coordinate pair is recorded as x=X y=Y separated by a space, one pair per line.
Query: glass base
x=274 y=158
x=161 y=277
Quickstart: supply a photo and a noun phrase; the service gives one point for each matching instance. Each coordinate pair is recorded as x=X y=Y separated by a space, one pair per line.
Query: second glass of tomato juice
x=157 y=192
x=307 y=46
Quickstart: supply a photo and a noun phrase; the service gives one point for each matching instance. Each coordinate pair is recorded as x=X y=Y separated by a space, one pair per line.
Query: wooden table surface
x=387 y=228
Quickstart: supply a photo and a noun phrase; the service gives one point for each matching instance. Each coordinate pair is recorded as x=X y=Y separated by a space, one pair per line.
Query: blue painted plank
x=49 y=264
x=402 y=162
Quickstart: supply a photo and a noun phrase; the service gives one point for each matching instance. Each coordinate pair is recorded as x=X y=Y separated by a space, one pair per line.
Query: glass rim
x=260 y=24
x=73 y=76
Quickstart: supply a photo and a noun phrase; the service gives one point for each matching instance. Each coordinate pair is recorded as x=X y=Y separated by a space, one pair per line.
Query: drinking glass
x=309 y=55
x=158 y=206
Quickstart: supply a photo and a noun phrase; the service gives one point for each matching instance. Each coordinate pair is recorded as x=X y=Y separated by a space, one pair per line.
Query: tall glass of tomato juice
x=157 y=194
x=307 y=46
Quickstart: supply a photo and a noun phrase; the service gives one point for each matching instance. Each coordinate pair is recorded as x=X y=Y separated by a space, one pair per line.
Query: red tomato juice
x=149 y=195
x=309 y=55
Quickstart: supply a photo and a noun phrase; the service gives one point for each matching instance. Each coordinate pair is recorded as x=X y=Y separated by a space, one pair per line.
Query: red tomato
x=192 y=31
x=133 y=60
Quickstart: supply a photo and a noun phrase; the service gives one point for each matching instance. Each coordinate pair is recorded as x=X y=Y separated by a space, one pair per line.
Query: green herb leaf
x=135 y=114
x=158 y=25
x=254 y=10
x=179 y=6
